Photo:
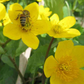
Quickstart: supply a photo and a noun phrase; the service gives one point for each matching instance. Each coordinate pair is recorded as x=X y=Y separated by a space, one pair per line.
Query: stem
x=33 y=78
x=43 y=76
x=3 y=44
x=24 y=82
x=49 y=48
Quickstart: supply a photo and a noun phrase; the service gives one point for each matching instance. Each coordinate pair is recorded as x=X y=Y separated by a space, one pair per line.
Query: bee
x=24 y=17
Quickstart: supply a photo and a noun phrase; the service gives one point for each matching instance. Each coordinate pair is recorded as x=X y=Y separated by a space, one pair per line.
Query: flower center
x=57 y=29
x=67 y=69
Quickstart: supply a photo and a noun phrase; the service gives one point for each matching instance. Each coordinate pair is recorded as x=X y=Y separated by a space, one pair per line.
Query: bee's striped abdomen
x=23 y=20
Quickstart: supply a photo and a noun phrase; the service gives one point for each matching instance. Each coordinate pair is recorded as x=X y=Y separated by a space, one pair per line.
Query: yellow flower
x=65 y=68
x=25 y=24
x=44 y=12
x=3 y=0
x=6 y=20
x=39 y=0
x=2 y=11
x=60 y=29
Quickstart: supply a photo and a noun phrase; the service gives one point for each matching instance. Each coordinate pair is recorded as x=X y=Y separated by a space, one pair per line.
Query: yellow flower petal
x=49 y=66
x=73 y=32
x=2 y=11
x=47 y=12
x=33 y=10
x=69 y=33
x=54 y=19
x=78 y=53
x=12 y=31
x=6 y=19
x=55 y=80
x=67 y=22
x=81 y=77
x=64 y=49
x=41 y=26
x=3 y=1
x=44 y=12
x=30 y=40
x=39 y=0
x=79 y=80
x=14 y=11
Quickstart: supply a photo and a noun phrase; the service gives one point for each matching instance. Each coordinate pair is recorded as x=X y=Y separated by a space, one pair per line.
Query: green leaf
x=1 y=50
x=80 y=1
x=65 y=11
x=37 y=59
x=11 y=48
x=44 y=40
x=78 y=27
x=7 y=75
x=21 y=48
x=81 y=39
x=2 y=37
x=56 y=6
x=6 y=60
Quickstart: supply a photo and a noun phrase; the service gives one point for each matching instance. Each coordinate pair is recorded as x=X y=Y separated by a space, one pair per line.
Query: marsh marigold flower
x=61 y=29
x=65 y=68
x=44 y=12
x=2 y=11
x=25 y=24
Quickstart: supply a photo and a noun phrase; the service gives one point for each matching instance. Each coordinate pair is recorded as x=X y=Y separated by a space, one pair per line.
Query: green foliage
x=1 y=50
x=37 y=59
x=56 y=6
x=14 y=48
x=81 y=39
x=7 y=75
x=2 y=37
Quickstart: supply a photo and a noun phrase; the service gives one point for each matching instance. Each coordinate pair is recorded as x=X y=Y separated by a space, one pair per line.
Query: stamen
x=67 y=69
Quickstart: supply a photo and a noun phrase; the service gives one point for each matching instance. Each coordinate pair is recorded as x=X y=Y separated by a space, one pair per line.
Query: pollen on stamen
x=67 y=69
x=57 y=29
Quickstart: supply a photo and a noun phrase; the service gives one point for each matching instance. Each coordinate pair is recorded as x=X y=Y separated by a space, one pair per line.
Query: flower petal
x=64 y=49
x=2 y=11
x=49 y=66
x=44 y=12
x=47 y=12
x=70 y=33
x=41 y=27
x=14 y=12
x=54 y=19
x=39 y=0
x=3 y=1
x=67 y=22
x=78 y=54
x=30 y=40
x=80 y=79
x=55 y=80
x=12 y=31
x=33 y=9
x=73 y=32
x=6 y=19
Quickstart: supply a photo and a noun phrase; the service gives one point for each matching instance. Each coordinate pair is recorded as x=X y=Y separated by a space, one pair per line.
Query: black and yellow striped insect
x=24 y=17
